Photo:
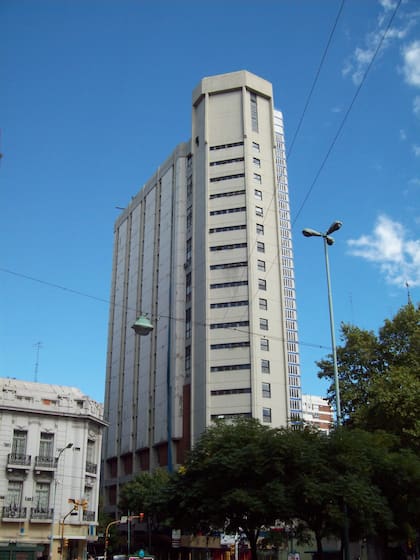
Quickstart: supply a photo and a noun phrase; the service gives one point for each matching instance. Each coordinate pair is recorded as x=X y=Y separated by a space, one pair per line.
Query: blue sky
x=95 y=94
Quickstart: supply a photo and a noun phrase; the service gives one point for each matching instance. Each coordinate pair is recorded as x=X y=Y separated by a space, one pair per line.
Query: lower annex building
x=205 y=251
x=50 y=453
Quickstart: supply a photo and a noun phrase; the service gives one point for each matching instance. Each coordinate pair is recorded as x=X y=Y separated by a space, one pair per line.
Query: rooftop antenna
x=408 y=294
x=38 y=347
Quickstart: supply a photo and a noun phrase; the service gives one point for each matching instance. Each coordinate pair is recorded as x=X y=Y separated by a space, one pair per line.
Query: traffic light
x=66 y=543
x=84 y=504
x=141 y=517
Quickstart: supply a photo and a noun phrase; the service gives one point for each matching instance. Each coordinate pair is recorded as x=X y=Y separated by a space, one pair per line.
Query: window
x=230 y=367
x=227 y=177
x=255 y=146
x=221 y=346
x=261 y=265
x=228 y=265
x=228 y=284
x=188 y=323
x=223 y=146
x=260 y=247
x=188 y=287
x=265 y=366
x=264 y=324
x=227 y=247
x=46 y=445
x=257 y=178
x=259 y=211
x=266 y=390
x=188 y=359
x=90 y=451
x=42 y=496
x=264 y=344
x=189 y=217
x=226 y=228
x=227 y=211
x=228 y=304
x=225 y=161
x=225 y=194
x=230 y=325
x=14 y=493
x=231 y=391
x=260 y=229
x=189 y=251
x=263 y=304
x=254 y=112
x=19 y=443
x=266 y=414
x=262 y=284
x=258 y=194
x=256 y=162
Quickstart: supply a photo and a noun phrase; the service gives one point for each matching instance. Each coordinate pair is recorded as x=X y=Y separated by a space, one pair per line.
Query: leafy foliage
x=380 y=376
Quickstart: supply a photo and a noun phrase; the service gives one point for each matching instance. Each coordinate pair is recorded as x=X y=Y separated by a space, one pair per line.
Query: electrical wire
x=347 y=113
x=128 y=308
x=318 y=72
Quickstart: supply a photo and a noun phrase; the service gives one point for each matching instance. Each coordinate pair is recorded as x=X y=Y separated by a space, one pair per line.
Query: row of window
x=265 y=367
x=264 y=345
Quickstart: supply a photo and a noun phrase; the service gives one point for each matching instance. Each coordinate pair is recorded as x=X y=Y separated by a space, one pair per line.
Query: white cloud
x=416 y=106
x=397 y=256
x=416 y=150
x=411 y=68
x=359 y=61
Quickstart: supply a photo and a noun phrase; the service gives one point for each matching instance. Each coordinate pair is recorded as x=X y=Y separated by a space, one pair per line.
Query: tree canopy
x=380 y=376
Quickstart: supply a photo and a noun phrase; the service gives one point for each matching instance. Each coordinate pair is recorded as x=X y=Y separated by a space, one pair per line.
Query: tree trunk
x=252 y=537
x=319 y=549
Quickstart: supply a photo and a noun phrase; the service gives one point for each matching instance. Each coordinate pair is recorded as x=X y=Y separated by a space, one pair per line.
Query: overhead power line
x=327 y=46
x=128 y=308
x=347 y=113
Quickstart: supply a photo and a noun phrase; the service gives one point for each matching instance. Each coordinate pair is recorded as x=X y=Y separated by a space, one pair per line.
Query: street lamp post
x=68 y=446
x=328 y=240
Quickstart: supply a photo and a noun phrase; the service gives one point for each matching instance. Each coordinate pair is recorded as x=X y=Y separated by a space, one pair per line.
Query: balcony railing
x=41 y=514
x=13 y=512
x=91 y=467
x=18 y=460
x=88 y=516
x=42 y=462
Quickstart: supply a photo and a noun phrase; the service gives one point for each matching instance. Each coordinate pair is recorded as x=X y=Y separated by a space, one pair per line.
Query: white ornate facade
x=50 y=449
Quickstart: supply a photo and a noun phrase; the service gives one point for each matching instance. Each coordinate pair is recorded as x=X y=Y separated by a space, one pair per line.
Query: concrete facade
x=205 y=251
x=50 y=452
x=317 y=412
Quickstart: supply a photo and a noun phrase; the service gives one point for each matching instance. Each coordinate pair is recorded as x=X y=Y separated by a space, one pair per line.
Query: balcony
x=91 y=468
x=18 y=462
x=13 y=513
x=45 y=464
x=89 y=516
x=41 y=515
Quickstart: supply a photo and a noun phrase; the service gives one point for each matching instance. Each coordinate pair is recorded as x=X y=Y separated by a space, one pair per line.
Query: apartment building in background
x=317 y=412
x=50 y=456
x=204 y=250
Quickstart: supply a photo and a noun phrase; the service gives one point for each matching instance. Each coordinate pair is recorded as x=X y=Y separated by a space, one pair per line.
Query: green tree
x=146 y=494
x=380 y=376
x=233 y=480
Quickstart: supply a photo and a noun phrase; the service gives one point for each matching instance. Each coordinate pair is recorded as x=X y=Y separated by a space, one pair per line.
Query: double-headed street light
x=328 y=240
x=54 y=496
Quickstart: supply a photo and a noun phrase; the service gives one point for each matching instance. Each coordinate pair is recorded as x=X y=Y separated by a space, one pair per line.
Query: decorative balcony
x=91 y=468
x=45 y=464
x=89 y=516
x=18 y=462
x=41 y=515
x=13 y=513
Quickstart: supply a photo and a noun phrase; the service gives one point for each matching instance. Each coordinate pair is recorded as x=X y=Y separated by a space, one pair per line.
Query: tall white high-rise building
x=205 y=251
